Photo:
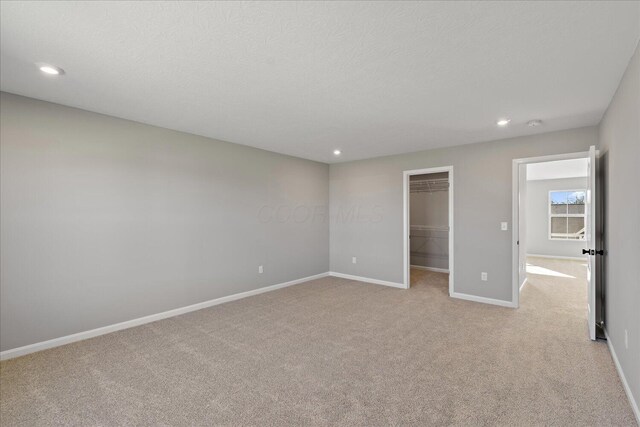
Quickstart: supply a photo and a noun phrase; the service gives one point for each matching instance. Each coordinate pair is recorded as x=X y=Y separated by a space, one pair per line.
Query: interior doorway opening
x=555 y=232
x=428 y=203
x=554 y=199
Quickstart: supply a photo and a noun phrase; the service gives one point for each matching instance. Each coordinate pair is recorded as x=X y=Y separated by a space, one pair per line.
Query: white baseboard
x=571 y=258
x=625 y=384
x=483 y=300
x=56 y=342
x=437 y=270
x=524 y=282
x=367 y=280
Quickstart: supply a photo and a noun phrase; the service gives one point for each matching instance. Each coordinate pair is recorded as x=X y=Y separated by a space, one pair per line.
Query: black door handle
x=600 y=252
x=586 y=252
x=592 y=252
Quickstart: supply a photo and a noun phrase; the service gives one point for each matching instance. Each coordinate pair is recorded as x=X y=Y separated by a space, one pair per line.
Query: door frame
x=515 y=214
x=406 y=226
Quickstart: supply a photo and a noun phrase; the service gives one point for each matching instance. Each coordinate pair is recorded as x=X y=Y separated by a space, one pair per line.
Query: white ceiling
x=574 y=168
x=305 y=78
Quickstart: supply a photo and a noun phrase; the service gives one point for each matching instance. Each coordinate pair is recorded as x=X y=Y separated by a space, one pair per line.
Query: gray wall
x=620 y=146
x=537 y=201
x=366 y=208
x=106 y=220
x=430 y=209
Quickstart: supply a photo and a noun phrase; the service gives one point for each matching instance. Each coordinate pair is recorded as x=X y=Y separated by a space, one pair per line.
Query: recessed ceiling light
x=337 y=152
x=503 y=122
x=51 y=69
x=534 y=123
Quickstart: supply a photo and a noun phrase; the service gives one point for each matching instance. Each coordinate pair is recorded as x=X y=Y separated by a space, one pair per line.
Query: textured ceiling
x=369 y=78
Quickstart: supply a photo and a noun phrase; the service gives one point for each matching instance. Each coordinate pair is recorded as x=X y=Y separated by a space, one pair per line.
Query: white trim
x=437 y=270
x=625 y=384
x=484 y=300
x=515 y=191
x=68 y=339
x=406 y=223
x=515 y=233
x=553 y=157
x=569 y=258
x=367 y=280
x=524 y=282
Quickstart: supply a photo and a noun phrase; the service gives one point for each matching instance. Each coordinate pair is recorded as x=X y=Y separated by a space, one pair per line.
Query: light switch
x=504 y=226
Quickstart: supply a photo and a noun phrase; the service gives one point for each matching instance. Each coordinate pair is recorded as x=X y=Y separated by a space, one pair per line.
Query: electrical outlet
x=626 y=340
x=353 y=260
x=504 y=226
x=260 y=269
x=483 y=276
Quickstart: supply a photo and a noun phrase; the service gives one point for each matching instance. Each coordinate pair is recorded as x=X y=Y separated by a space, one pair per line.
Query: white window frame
x=567 y=215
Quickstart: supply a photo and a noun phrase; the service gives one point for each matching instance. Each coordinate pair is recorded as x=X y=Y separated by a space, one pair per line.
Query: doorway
x=554 y=234
x=428 y=226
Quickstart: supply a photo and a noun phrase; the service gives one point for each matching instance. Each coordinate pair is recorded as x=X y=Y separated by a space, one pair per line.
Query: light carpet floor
x=337 y=352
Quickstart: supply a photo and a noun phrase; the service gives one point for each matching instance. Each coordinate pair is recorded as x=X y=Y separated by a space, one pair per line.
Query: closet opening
x=429 y=229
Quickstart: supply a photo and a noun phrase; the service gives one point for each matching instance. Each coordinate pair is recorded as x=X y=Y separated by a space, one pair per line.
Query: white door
x=590 y=240
x=522 y=224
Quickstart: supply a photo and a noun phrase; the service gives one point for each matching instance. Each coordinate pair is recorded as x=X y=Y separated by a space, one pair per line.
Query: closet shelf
x=429 y=185
x=429 y=227
x=417 y=254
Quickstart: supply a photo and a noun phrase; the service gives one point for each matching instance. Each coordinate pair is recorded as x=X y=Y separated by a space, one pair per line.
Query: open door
x=522 y=224
x=590 y=240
